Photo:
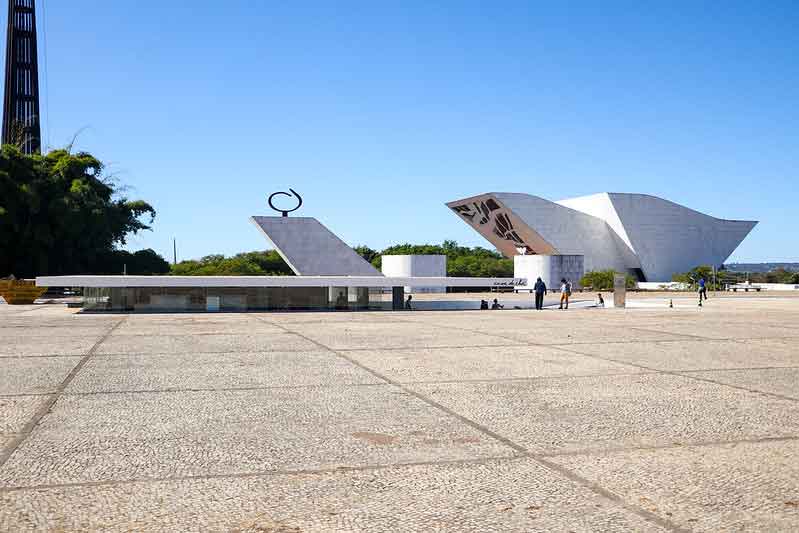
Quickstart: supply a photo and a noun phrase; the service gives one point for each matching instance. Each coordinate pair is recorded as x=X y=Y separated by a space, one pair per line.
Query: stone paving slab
x=197 y=327
x=5 y=442
x=217 y=371
x=15 y=412
x=695 y=354
x=18 y=346
x=55 y=330
x=348 y=336
x=189 y=344
x=502 y=496
x=152 y=435
x=727 y=331
x=34 y=375
x=782 y=381
x=488 y=363
x=257 y=413
x=610 y=412
x=345 y=317
x=733 y=487
x=560 y=332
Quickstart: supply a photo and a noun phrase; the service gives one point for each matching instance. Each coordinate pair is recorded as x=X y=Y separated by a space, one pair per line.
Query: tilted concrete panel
x=615 y=231
x=669 y=238
x=310 y=249
x=514 y=220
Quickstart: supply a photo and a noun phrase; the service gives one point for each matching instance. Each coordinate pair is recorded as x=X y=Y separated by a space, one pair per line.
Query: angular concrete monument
x=644 y=235
x=310 y=249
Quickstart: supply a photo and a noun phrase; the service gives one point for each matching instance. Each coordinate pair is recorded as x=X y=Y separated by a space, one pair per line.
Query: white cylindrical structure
x=427 y=266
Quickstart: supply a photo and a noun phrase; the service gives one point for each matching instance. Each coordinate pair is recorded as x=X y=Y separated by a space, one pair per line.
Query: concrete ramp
x=310 y=249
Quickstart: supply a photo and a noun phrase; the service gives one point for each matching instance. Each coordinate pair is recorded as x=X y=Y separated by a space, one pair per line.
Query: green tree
x=143 y=262
x=367 y=253
x=462 y=261
x=59 y=214
x=602 y=280
x=693 y=276
x=266 y=263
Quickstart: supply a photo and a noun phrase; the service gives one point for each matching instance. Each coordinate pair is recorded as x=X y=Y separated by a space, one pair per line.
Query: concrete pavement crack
x=521 y=450
x=48 y=405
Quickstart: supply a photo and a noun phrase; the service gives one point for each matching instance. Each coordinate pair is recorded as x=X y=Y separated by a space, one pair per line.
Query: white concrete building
x=550 y=268
x=644 y=235
x=425 y=266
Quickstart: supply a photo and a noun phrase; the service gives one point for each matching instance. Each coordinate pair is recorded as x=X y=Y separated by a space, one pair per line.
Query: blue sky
x=379 y=112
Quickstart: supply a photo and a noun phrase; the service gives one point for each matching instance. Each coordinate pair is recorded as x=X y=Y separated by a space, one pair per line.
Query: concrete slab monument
x=310 y=249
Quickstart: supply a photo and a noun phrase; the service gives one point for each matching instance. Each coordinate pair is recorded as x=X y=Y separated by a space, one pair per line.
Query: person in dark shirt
x=540 y=289
x=702 y=290
x=408 y=306
x=496 y=305
x=483 y=305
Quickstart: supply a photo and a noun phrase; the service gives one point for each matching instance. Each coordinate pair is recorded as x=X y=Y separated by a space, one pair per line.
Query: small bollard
x=671 y=303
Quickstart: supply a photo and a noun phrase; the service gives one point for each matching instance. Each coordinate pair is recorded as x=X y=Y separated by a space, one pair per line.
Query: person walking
x=565 y=292
x=540 y=289
x=408 y=306
x=702 y=290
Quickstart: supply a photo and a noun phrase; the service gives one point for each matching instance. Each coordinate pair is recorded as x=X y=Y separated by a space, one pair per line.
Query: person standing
x=565 y=292
x=408 y=306
x=540 y=289
x=702 y=290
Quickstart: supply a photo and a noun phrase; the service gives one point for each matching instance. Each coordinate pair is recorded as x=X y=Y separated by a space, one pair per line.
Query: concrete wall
x=550 y=268
x=428 y=266
x=667 y=238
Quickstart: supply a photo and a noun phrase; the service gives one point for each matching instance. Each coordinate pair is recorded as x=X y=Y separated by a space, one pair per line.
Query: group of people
x=540 y=289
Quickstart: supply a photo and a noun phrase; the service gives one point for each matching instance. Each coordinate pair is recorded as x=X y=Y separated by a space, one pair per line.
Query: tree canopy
x=461 y=261
x=266 y=263
x=603 y=280
x=59 y=214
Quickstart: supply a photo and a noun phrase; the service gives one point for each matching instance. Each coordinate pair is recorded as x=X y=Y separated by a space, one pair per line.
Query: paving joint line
x=686 y=374
x=224 y=389
x=268 y=473
x=686 y=335
x=43 y=410
x=414 y=382
x=649 y=370
x=681 y=446
x=554 y=467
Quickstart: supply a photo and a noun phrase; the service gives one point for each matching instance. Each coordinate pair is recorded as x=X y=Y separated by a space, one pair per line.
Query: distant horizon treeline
x=462 y=261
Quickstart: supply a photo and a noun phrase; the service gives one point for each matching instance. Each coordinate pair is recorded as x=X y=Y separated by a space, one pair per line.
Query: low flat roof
x=273 y=281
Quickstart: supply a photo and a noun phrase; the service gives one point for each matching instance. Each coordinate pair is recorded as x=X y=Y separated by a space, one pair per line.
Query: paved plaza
x=645 y=419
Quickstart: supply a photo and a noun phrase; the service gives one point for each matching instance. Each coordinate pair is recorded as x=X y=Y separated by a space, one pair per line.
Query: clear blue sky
x=379 y=112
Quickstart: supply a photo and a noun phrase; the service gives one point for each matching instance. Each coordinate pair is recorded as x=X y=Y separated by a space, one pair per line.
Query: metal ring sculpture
x=285 y=211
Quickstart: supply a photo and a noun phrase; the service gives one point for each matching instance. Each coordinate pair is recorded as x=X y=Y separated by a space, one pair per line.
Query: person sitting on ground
x=600 y=301
x=496 y=305
x=483 y=305
x=408 y=306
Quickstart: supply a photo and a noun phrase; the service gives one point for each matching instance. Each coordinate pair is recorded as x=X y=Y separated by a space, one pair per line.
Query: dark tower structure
x=21 y=103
